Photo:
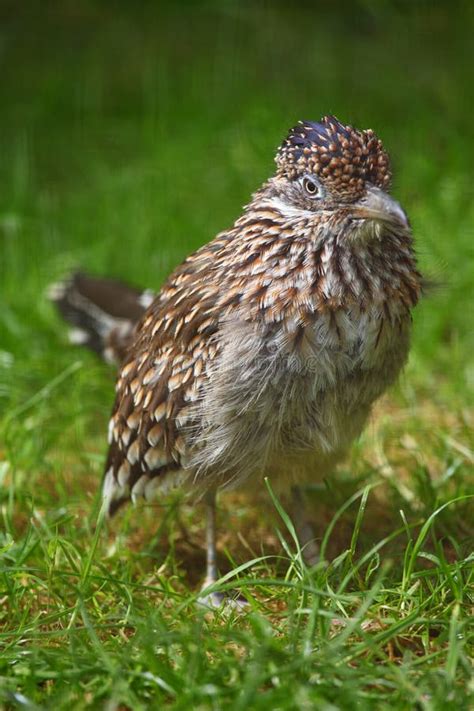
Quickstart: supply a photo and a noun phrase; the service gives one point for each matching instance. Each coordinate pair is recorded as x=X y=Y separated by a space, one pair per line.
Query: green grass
x=129 y=135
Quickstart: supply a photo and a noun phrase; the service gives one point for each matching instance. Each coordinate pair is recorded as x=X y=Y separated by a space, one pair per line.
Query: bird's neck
x=309 y=263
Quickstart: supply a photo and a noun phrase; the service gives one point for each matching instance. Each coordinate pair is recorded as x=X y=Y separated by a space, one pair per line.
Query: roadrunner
x=264 y=352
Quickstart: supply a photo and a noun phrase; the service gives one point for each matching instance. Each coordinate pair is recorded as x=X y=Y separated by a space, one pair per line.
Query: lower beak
x=377 y=205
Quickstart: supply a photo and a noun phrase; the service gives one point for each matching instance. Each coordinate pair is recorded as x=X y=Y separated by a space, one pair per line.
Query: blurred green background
x=131 y=133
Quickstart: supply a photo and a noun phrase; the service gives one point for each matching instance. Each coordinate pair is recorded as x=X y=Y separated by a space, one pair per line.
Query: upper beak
x=377 y=205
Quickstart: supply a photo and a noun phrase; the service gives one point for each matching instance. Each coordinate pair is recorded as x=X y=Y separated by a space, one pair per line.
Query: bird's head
x=341 y=175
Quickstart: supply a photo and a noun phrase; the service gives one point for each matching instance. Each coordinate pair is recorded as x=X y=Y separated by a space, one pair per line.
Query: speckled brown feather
x=263 y=342
x=341 y=155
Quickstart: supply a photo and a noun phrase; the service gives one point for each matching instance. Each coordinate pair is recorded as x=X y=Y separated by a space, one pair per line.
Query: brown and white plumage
x=264 y=351
x=270 y=343
x=103 y=312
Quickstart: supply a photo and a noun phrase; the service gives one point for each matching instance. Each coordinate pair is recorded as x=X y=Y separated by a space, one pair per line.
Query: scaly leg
x=211 y=550
x=215 y=599
x=303 y=527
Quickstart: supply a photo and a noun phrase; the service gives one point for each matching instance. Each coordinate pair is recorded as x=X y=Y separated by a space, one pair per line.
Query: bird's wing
x=160 y=381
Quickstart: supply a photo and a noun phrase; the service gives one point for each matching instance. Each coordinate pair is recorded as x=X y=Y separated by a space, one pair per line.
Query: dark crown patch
x=341 y=156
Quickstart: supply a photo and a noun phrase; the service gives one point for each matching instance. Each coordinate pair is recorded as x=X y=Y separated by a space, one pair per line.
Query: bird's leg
x=215 y=599
x=211 y=550
x=303 y=527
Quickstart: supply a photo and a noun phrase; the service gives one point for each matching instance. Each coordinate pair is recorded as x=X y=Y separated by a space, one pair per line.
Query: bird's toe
x=215 y=600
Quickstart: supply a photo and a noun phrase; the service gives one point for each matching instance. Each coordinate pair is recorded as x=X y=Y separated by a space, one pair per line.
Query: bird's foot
x=311 y=554
x=215 y=600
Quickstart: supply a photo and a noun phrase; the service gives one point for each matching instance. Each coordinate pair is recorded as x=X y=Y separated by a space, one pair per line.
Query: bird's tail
x=102 y=312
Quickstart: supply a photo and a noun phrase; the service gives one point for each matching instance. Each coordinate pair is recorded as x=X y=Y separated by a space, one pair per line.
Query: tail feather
x=103 y=312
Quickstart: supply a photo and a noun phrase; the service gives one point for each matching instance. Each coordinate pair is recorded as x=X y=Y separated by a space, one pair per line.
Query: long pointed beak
x=378 y=205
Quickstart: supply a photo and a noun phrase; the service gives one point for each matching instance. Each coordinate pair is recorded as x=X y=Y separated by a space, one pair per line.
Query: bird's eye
x=312 y=187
